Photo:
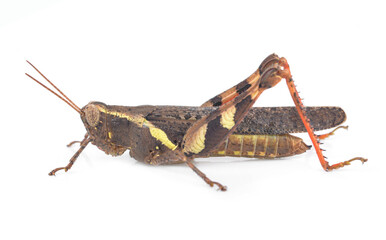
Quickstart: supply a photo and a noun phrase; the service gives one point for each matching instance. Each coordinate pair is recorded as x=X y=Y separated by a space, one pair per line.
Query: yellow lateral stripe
x=265 y=145
x=236 y=153
x=197 y=143
x=115 y=113
x=162 y=137
x=140 y=121
x=254 y=140
x=159 y=134
x=227 y=118
x=250 y=153
x=241 y=144
x=221 y=152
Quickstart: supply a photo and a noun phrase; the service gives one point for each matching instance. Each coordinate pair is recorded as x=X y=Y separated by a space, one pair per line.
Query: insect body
x=226 y=125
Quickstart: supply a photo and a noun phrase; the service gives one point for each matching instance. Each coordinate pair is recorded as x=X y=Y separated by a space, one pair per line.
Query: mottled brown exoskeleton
x=225 y=125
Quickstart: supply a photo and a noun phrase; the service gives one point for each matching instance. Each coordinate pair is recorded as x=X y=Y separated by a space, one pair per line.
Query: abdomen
x=261 y=146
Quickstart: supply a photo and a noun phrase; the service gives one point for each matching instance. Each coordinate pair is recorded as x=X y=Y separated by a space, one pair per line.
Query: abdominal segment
x=261 y=146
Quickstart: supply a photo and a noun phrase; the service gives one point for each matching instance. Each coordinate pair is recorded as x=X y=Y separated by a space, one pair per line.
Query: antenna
x=63 y=96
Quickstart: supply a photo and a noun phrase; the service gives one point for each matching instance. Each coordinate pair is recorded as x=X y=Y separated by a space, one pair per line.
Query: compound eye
x=92 y=115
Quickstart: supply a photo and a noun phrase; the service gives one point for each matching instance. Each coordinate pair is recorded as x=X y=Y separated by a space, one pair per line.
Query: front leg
x=173 y=157
x=83 y=145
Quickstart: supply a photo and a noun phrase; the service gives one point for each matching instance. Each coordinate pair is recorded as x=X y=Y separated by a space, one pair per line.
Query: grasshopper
x=225 y=125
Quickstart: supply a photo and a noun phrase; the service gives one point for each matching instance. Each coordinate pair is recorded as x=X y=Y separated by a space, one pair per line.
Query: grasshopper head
x=94 y=120
x=91 y=115
x=94 y=117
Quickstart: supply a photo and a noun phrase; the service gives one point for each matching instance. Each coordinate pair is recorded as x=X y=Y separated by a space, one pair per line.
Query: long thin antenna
x=74 y=107
x=64 y=95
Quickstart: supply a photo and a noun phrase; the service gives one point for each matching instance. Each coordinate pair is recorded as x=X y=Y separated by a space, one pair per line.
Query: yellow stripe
x=137 y=119
x=250 y=153
x=140 y=121
x=273 y=138
x=162 y=137
x=227 y=118
x=265 y=145
x=221 y=152
x=197 y=143
x=254 y=139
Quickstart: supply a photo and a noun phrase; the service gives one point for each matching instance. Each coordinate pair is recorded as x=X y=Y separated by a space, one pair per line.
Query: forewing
x=176 y=120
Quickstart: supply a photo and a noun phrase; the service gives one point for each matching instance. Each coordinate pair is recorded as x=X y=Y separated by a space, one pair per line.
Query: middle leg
x=205 y=178
x=326 y=135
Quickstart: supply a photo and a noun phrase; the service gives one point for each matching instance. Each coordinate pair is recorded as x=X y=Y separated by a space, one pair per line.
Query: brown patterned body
x=225 y=125
x=263 y=133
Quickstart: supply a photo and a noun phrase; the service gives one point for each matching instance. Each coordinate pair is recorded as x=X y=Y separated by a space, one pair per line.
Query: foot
x=345 y=163
x=52 y=173
x=220 y=187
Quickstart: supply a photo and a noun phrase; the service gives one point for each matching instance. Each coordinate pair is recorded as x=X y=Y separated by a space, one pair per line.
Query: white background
x=174 y=53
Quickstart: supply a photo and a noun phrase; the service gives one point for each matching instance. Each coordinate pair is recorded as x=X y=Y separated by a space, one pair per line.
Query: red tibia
x=310 y=130
x=286 y=73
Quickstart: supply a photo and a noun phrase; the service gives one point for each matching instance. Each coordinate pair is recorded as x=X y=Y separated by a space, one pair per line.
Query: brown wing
x=258 y=121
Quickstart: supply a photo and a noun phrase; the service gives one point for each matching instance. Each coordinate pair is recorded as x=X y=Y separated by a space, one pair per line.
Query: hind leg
x=286 y=73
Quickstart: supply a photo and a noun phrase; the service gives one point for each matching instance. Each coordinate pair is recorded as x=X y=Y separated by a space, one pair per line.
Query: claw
x=71 y=143
x=52 y=173
x=220 y=187
x=363 y=160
